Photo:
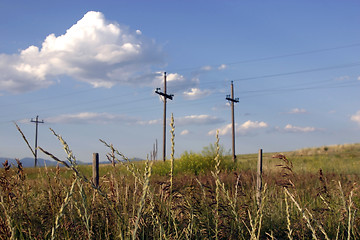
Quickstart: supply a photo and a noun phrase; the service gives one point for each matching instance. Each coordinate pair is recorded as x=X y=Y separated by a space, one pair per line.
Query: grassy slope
x=340 y=159
x=37 y=201
x=336 y=159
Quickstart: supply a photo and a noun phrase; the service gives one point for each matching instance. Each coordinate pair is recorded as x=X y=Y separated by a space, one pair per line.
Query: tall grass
x=179 y=199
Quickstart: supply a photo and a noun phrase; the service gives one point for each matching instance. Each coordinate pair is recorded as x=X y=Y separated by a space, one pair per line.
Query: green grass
x=206 y=197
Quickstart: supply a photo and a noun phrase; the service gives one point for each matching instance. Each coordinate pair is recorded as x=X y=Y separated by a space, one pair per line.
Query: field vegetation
x=307 y=194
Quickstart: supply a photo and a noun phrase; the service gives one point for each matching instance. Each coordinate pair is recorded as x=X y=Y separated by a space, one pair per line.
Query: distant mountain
x=29 y=162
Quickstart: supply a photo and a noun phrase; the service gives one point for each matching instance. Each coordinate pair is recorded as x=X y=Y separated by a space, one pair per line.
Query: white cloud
x=186 y=120
x=206 y=68
x=297 y=111
x=90 y=118
x=356 y=117
x=184 y=132
x=93 y=50
x=342 y=78
x=291 y=128
x=242 y=129
x=358 y=78
x=222 y=67
x=197 y=119
x=222 y=131
x=248 y=125
x=196 y=93
x=176 y=83
x=150 y=122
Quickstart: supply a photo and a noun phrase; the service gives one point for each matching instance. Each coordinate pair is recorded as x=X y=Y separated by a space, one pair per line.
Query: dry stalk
x=288 y=225
x=172 y=158
x=130 y=166
x=73 y=166
x=22 y=134
x=204 y=197
x=144 y=182
x=303 y=212
x=347 y=209
x=218 y=183
x=257 y=222
x=147 y=175
x=8 y=219
x=85 y=217
x=349 y=213
x=62 y=209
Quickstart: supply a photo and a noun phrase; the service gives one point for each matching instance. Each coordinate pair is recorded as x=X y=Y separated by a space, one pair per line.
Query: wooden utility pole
x=232 y=100
x=166 y=96
x=36 y=121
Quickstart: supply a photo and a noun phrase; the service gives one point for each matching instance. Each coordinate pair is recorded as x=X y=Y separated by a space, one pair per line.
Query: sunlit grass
x=310 y=193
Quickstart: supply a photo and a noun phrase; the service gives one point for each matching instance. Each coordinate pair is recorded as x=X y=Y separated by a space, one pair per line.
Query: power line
x=272 y=57
x=204 y=84
x=245 y=94
x=300 y=71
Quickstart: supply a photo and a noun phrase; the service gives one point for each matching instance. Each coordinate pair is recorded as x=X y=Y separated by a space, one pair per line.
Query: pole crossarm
x=236 y=100
x=232 y=101
x=168 y=96
x=36 y=121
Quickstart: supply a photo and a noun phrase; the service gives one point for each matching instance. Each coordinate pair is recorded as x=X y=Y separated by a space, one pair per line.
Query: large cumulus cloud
x=93 y=50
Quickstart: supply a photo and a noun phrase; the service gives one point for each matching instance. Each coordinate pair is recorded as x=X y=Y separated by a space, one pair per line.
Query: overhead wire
x=355 y=64
x=245 y=94
x=270 y=57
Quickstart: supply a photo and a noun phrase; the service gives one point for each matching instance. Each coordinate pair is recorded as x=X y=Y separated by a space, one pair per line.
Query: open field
x=198 y=196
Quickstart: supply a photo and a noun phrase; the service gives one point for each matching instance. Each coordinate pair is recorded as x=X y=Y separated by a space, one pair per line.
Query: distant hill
x=29 y=162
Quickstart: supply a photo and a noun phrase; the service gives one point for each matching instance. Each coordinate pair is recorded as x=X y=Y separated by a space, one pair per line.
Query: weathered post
x=259 y=178
x=95 y=168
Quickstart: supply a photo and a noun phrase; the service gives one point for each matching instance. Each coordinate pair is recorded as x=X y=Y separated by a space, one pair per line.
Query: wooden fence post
x=259 y=178
x=95 y=168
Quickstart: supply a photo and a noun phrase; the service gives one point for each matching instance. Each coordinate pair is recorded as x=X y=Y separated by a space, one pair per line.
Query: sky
x=89 y=70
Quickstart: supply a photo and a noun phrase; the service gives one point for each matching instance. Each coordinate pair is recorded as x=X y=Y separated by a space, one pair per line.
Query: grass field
x=307 y=194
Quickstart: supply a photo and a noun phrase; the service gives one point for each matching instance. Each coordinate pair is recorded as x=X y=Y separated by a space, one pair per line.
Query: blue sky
x=89 y=70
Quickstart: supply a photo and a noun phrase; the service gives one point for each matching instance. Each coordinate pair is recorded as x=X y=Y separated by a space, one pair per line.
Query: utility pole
x=36 y=135
x=232 y=101
x=166 y=96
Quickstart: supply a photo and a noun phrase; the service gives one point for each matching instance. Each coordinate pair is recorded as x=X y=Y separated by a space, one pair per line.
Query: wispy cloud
x=297 y=111
x=291 y=128
x=222 y=67
x=197 y=120
x=206 y=68
x=186 y=120
x=356 y=117
x=184 y=132
x=242 y=129
x=93 y=50
x=342 y=78
x=188 y=85
x=176 y=83
x=196 y=93
x=90 y=118
x=149 y=122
